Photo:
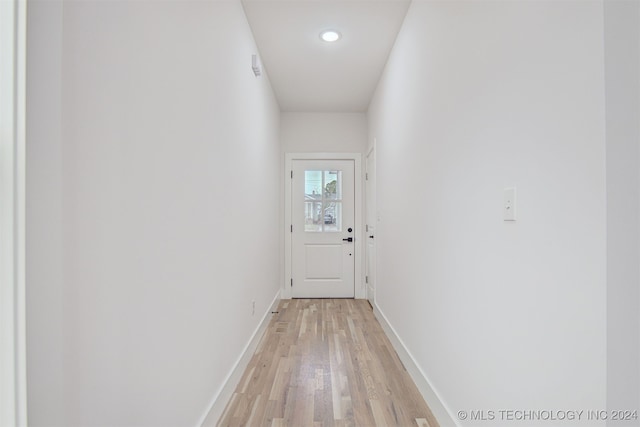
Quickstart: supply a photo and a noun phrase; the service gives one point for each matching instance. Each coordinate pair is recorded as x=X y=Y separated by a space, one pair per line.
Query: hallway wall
x=149 y=214
x=477 y=97
x=323 y=132
x=622 y=72
x=305 y=132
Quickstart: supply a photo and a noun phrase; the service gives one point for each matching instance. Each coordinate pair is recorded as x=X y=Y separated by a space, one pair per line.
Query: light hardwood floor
x=326 y=362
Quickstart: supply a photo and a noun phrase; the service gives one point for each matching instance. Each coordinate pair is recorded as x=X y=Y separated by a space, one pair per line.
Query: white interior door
x=323 y=228
x=370 y=273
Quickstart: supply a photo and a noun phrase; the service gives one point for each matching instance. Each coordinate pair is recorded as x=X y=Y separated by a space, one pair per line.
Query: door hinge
x=291 y=174
x=366 y=279
x=366 y=176
x=292 y=228
x=292 y=283
x=367 y=228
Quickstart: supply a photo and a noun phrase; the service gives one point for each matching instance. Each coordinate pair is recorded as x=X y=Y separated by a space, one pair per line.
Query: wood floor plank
x=326 y=363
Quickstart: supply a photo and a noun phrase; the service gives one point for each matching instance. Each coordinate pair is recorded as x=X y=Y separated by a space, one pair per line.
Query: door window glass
x=323 y=201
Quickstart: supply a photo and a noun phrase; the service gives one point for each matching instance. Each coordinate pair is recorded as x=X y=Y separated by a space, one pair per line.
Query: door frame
x=13 y=376
x=371 y=203
x=359 y=290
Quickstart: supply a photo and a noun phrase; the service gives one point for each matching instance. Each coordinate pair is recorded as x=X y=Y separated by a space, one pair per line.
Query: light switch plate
x=509 y=204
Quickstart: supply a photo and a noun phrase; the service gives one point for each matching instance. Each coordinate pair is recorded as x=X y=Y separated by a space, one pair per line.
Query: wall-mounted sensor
x=255 y=65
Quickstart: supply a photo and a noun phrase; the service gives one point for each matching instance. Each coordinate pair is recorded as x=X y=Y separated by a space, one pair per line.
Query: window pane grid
x=323 y=201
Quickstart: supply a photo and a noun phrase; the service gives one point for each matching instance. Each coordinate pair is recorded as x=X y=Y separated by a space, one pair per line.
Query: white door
x=323 y=232
x=370 y=274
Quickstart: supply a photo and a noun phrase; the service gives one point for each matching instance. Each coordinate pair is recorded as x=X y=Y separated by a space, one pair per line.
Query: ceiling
x=308 y=74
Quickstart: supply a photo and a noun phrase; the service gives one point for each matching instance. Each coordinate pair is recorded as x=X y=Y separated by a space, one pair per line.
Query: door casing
x=371 y=227
x=360 y=291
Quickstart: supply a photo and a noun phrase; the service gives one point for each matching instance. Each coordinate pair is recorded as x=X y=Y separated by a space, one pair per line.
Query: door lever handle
x=348 y=239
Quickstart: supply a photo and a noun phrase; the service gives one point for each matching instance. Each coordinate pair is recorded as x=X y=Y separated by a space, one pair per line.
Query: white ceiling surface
x=308 y=74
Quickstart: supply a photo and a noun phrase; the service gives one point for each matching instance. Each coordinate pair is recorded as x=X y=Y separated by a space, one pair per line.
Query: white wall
x=323 y=132
x=151 y=221
x=477 y=97
x=320 y=133
x=48 y=357
x=622 y=71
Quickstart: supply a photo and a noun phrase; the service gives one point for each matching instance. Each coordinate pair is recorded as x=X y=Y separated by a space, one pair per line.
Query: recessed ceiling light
x=330 y=36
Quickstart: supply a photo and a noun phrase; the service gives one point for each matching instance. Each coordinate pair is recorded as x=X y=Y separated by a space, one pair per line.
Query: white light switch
x=509 y=205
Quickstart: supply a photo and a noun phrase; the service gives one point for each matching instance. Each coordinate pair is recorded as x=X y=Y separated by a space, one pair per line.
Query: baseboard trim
x=221 y=398
x=430 y=395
